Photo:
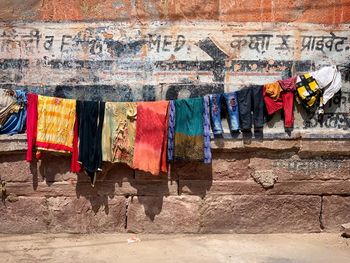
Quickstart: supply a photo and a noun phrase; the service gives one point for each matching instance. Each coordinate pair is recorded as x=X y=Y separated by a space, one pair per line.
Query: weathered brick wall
x=168 y=49
x=325 y=11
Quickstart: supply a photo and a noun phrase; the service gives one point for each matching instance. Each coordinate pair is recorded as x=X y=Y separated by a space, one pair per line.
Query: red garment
x=288 y=84
x=32 y=130
x=285 y=102
x=150 y=139
x=31 y=124
x=75 y=165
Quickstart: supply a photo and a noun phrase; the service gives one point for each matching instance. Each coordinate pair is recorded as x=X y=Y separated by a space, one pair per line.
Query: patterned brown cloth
x=118 y=134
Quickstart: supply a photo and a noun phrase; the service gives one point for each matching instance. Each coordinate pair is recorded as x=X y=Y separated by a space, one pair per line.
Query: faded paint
x=310 y=11
x=123 y=61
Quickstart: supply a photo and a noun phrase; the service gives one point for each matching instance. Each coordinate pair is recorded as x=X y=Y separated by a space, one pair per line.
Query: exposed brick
x=60 y=10
x=19 y=10
x=325 y=12
x=82 y=215
x=345 y=11
x=245 y=10
x=106 y=9
x=173 y=214
x=335 y=212
x=260 y=214
x=306 y=11
x=26 y=215
x=196 y=9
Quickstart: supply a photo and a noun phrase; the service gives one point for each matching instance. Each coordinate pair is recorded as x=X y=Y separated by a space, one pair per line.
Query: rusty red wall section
x=310 y=11
x=104 y=49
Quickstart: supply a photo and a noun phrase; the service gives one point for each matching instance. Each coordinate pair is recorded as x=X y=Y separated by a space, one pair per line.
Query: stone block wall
x=268 y=186
x=122 y=50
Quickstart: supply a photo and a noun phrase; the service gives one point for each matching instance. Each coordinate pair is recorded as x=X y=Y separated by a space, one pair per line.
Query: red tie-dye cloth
x=151 y=137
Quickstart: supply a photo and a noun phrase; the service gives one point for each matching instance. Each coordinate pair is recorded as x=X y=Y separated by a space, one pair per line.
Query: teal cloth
x=189 y=133
x=189 y=116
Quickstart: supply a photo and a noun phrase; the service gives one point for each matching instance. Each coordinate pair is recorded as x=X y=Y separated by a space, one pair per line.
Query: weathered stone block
x=192 y=170
x=56 y=168
x=13 y=143
x=82 y=215
x=266 y=178
x=173 y=214
x=260 y=214
x=151 y=187
x=309 y=148
x=230 y=166
x=15 y=168
x=272 y=145
x=141 y=175
x=205 y=187
x=116 y=172
x=220 y=145
x=24 y=215
x=335 y=212
x=294 y=168
x=42 y=189
x=311 y=187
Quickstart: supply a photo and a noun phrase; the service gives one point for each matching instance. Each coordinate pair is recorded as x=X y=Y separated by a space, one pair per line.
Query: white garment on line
x=329 y=79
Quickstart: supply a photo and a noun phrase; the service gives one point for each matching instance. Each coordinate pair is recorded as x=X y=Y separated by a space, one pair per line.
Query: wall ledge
x=270 y=141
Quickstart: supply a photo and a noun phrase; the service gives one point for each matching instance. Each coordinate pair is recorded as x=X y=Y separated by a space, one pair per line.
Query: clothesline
x=148 y=135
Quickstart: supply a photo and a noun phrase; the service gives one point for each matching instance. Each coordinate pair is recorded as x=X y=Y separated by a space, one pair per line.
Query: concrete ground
x=95 y=248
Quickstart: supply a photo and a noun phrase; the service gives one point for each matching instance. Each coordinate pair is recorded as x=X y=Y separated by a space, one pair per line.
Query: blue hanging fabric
x=15 y=123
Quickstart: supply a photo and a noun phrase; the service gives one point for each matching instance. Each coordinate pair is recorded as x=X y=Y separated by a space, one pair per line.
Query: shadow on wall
x=53 y=171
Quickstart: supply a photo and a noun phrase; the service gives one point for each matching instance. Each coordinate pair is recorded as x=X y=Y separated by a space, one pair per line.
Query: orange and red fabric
x=151 y=137
x=52 y=126
x=280 y=95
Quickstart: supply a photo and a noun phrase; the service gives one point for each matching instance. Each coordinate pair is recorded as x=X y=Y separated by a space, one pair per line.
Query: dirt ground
x=95 y=248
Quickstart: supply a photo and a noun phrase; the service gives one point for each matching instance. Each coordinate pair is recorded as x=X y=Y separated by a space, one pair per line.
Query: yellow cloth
x=118 y=133
x=273 y=90
x=308 y=91
x=56 y=118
